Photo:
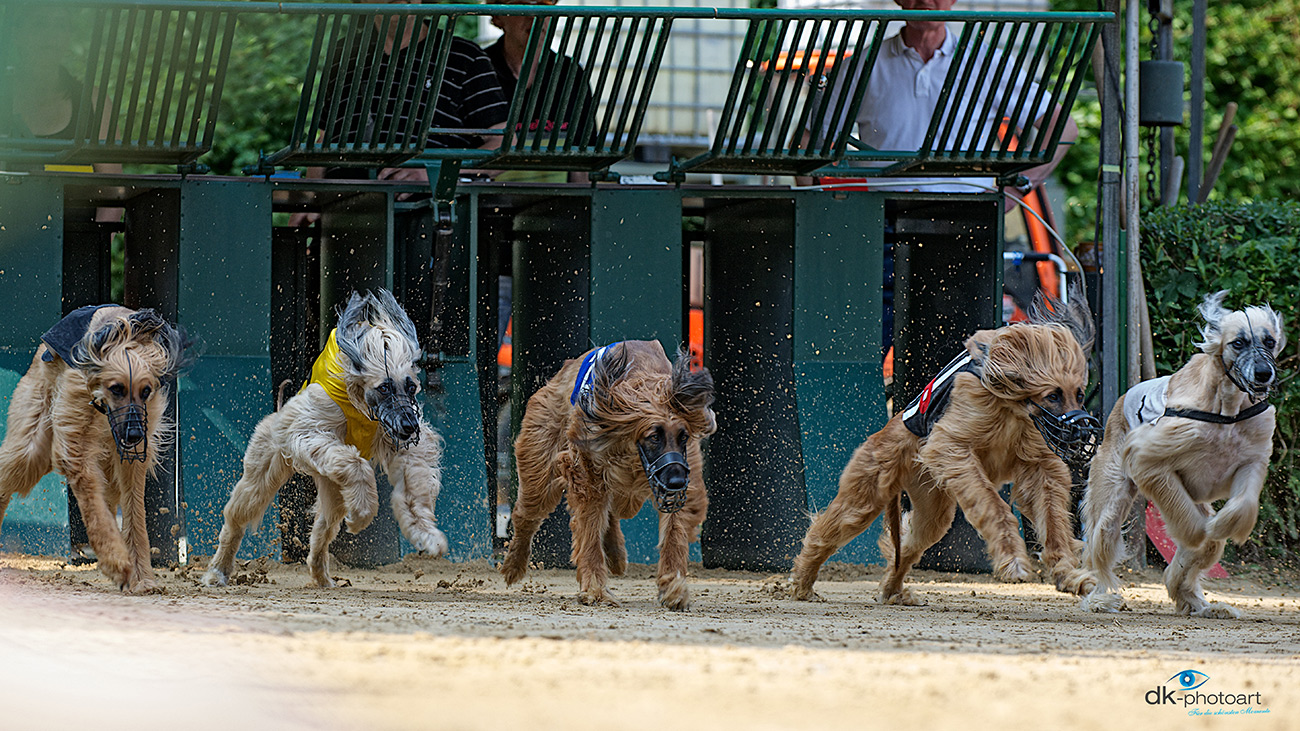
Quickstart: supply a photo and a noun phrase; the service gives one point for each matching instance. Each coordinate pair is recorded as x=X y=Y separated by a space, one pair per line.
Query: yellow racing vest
x=328 y=372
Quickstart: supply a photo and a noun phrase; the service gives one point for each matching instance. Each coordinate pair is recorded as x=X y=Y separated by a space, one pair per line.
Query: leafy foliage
x=1253 y=250
x=1252 y=58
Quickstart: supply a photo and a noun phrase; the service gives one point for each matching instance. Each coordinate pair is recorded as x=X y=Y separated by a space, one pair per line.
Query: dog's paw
x=594 y=597
x=358 y=521
x=1103 y=602
x=214 y=577
x=674 y=594
x=432 y=542
x=1016 y=571
x=1077 y=581
x=1217 y=610
x=148 y=586
x=118 y=568
x=904 y=598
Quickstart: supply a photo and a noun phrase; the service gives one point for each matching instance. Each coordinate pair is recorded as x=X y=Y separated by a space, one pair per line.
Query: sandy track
x=430 y=644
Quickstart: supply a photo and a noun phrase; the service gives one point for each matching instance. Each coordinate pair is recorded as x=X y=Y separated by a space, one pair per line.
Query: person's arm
x=1037 y=175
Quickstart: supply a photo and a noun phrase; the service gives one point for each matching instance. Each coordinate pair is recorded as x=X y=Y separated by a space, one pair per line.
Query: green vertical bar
x=223 y=297
x=838 y=248
x=636 y=294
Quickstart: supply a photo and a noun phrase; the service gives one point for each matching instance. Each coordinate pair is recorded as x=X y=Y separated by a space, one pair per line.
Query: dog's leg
x=963 y=476
x=330 y=511
x=931 y=516
x=864 y=492
x=265 y=472
x=540 y=490
x=1237 y=517
x=25 y=453
x=1183 y=580
x=134 y=526
x=615 y=549
x=416 y=473
x=1185 y=521
x=588 y=522
x=676 y=531
x=1042 y=490
x=321 y=454
x=87 y=481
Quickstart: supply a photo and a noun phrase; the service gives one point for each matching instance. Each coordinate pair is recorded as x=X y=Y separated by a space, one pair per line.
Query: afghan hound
x=1007 y=409
x=1203 y=434
x=357 y=410
x=90 y=407
x=614 y=428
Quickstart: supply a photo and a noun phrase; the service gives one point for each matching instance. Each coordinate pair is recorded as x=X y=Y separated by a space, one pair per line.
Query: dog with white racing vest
x=1184 y=441
x=357 y=410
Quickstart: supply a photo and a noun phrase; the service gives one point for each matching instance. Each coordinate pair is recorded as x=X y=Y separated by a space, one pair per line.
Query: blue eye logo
x=1189 y=679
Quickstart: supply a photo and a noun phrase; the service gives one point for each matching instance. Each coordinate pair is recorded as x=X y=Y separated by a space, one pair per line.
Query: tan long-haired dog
x=1183 y=441
x=1014 y=389
x=90 y=407
x=614 y=428
x=357 y=410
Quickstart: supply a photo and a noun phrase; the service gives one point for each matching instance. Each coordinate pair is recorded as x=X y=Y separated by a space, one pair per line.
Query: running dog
x=1203 y=434
x=90 y=407
x=359 y=409
x=1008 y=409
x=614 y=428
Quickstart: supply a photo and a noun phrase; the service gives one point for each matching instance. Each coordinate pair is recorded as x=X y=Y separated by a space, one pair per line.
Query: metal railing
x=148 y=76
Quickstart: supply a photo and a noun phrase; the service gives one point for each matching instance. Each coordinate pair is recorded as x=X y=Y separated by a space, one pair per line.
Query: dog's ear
x=88 y=353
x=598 y=402
x=977 y=346
x=388 y=309
x=1074 y=315
x=179 y=349
x=692 y=390
x=1213 y=312
x=1001 y=370
x=1278 y=326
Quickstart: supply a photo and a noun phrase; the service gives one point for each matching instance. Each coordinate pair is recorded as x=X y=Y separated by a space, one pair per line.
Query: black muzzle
x=1254 y=372
x=129 y=426
x=1074 y=437
x=399 y=415
x=669 y=495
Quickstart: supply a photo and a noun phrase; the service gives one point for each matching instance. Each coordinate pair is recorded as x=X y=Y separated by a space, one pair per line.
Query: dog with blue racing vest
x=1185 y=441
x=1007 y=409
x=613 y=428
x=357 y=410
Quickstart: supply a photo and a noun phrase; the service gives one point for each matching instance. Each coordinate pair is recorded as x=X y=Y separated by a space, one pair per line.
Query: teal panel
x=224 y=300
x=636 y=267
x=225 y=265
x=463 y=510
x=38 y=523
x=837 y=365
x=636 y=294
x=840 y=405
x=31 y=260
x=220 y=401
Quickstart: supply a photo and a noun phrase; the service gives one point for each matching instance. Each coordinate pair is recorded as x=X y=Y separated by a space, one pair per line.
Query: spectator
x=470 y=96
x=900 y=99
x=554 y=70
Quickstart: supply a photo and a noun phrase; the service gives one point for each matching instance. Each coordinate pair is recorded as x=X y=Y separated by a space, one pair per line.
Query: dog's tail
x=279 y=394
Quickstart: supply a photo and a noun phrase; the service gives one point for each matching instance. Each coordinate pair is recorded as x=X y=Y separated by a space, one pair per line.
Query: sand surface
x=428 y=644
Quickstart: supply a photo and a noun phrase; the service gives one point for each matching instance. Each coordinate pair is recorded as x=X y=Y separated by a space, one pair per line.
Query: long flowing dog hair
x=601 y=450
x=986 y=436
x=358 y=411
x=57 y=422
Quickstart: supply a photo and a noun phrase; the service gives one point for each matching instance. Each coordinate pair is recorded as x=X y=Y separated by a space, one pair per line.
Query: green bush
x=1252 y=250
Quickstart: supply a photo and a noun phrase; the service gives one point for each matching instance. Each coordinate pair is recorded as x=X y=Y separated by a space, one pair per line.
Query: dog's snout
x=1263 y=373
x=132 y=435
x=675 y=477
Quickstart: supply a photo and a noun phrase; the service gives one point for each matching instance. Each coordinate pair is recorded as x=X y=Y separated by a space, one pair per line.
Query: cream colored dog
x=90 y=407
x=358 y=408
x=1184 y=441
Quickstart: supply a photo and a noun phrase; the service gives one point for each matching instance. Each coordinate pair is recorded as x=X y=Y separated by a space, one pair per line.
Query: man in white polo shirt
x=904 y=91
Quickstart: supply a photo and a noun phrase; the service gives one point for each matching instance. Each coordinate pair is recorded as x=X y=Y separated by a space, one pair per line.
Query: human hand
x=303 y=218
